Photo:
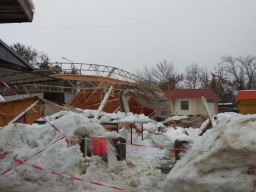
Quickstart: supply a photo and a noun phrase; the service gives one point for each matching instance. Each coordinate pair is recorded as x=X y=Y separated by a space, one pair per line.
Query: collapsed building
x=109 y=89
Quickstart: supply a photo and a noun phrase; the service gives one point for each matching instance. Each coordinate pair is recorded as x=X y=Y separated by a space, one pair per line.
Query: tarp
x=152 y=98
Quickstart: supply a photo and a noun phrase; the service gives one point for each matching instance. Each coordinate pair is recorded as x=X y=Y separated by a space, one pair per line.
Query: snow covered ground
x=223 y=159
x=217 y=161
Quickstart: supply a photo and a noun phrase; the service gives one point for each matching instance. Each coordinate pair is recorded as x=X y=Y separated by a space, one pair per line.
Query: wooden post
x=207 y=108
x=85 y=147
x=105 y=99
x=142 y=131
x=131 y=133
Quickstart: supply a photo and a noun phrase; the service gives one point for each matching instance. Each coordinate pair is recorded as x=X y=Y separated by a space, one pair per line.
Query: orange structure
x=91 y=99
x=9 y=110
x=246 y=101
x=128 y=93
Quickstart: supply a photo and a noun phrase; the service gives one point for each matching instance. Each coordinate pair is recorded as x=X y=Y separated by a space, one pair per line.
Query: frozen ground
x=217 y=161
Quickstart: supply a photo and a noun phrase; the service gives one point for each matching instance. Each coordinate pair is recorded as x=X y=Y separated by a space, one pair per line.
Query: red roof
x=246 y=94
x=191 y=93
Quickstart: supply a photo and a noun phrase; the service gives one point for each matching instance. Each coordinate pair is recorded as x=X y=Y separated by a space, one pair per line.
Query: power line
x=136 y=23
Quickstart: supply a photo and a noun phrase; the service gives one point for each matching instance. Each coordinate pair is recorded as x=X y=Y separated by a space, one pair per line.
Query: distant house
x=189 y=101
x=227 y=107
x=246 y=101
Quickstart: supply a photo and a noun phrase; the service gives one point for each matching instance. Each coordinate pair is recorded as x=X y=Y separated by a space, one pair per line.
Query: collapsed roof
x=145 y=101
x=127 y=95
x=130 y=92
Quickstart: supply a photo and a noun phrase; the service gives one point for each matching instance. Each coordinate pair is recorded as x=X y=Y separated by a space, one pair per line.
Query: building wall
x=10 y=110
x=196 y=107
x=247 y=106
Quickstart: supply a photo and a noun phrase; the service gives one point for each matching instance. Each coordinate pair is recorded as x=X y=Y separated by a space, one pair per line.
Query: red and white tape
x=30 y=157
x=53 y=126
x=57 y=173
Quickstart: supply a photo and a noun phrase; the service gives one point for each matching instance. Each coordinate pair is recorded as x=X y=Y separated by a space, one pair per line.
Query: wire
x=136 y=23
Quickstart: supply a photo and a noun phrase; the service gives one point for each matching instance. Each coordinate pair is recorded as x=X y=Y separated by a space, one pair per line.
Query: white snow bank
x=23 y=141
x=121 y=117
x=177 y=117
x=223 y=159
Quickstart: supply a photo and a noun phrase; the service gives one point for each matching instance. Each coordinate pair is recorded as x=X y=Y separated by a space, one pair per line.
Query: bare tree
x=171 y=82
x=163 y=74
x=205 y=78
x=249 y=66
x=222 y=85
x=242 y=70
x=162 y=71
x=145 y=74
x=192 y=76
x=145 y=78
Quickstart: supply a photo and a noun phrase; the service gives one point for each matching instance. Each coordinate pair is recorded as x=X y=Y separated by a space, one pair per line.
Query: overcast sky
x=130 y=34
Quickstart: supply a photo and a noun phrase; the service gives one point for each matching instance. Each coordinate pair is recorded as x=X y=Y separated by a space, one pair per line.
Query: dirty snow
x=223 y=159
x=216 y=161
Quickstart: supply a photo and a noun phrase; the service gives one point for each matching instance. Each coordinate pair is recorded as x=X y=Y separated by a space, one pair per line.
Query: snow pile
x=121 y=117
x=177 y=118
x=223 y=159
x=134 y=173
x=22 y=141
x=217 y=161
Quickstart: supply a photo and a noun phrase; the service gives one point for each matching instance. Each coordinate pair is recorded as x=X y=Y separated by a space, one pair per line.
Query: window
x=184 y=105
x=210 y=100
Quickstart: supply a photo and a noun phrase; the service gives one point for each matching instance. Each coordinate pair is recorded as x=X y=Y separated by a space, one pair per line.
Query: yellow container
x=247 y=106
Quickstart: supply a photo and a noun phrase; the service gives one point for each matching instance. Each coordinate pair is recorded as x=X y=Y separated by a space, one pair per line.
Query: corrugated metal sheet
x=15 y=77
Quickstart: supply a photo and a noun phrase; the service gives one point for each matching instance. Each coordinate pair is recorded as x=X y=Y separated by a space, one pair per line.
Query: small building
x=227 y=107
x=246 y=101
x=189 y=101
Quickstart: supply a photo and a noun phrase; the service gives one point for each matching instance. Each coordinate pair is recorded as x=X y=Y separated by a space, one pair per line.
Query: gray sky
x=134 y=33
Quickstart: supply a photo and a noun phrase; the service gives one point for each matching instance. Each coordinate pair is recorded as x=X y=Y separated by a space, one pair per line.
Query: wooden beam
x=99 y=86
x=103 y=103
x=95 y=104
